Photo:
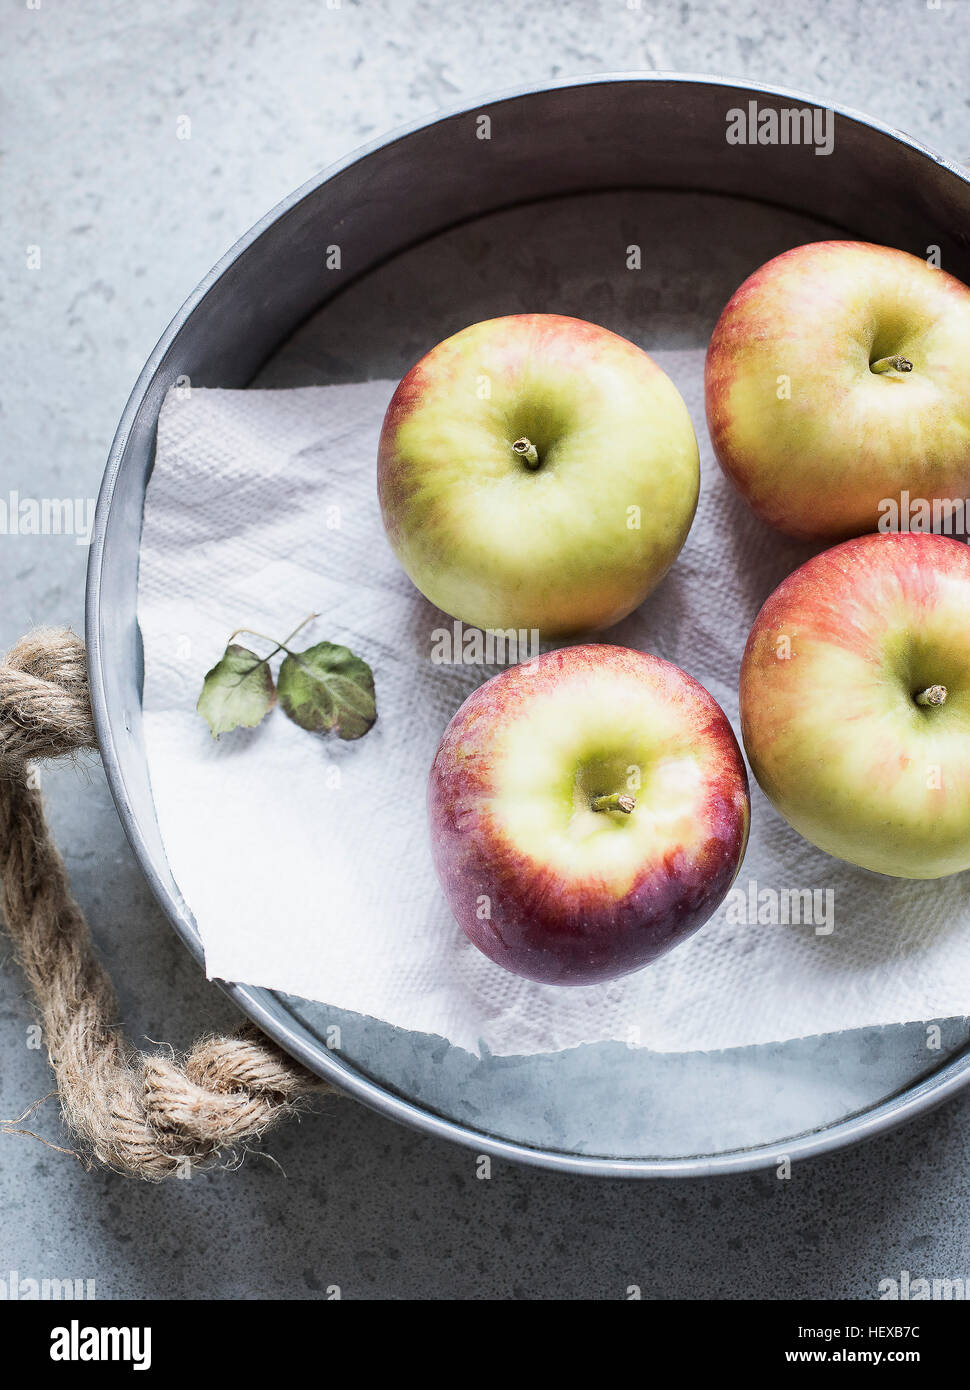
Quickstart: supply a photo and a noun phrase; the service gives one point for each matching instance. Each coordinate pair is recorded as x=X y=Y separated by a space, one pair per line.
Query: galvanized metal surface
x=596 y=134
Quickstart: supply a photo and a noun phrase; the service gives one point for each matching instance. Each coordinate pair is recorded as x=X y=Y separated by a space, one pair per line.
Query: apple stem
x=891 y=364
x=615 y=801
x=932 y=695
x=527 y=452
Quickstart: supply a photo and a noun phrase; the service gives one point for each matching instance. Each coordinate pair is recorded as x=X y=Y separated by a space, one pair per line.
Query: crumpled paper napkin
x=305 y=860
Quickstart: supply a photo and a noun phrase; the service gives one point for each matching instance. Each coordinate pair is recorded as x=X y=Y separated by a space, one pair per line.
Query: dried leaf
x=327 y=687
x=238 y=691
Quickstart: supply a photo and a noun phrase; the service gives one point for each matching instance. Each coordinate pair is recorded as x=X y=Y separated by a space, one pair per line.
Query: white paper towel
x=305 y=860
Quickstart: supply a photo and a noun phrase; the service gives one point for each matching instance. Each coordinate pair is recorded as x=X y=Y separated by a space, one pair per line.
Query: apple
x=536 y=471
x=588 y=811
x=855 y=703
x=836 y=379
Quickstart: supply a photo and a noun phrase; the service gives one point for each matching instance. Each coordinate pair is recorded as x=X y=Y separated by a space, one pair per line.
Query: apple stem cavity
x=527 y=452
x=615 y=801
x=933 y=696
x=891 y=364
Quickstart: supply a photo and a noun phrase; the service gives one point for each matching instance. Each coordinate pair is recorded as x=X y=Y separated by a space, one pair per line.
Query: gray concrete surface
x=125 y=215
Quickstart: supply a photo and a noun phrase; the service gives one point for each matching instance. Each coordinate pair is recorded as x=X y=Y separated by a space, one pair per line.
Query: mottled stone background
x=127 y=218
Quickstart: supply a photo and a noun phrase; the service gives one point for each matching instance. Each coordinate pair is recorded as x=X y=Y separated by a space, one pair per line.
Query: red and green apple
x=536 y=471
x=855 y=703
x=588 y=811
x=836 y=379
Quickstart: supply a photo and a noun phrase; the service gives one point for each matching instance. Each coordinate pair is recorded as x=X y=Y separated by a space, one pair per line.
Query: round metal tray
x=437 y=227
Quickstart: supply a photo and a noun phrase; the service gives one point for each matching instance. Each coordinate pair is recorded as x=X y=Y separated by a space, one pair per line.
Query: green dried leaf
x=327 y=687
x=238 y=691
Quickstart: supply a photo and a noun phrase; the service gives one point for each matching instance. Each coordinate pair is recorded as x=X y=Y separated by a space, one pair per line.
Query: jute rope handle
x=144 y=1114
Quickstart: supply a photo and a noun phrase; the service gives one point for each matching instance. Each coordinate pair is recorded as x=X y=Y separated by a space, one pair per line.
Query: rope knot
x=45 y=706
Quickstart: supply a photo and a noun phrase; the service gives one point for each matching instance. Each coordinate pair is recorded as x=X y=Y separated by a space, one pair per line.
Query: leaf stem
x=278 y=646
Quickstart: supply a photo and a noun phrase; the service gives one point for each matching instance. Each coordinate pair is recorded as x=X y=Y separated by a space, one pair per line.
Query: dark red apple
x=588 y=811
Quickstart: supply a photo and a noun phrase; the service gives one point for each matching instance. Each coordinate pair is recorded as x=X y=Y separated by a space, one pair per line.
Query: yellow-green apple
x=588 y=811
x=536 y=471
x=855 y=703
x=836 y=380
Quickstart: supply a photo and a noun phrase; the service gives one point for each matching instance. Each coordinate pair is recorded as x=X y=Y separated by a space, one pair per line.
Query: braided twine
x=142 y=1114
